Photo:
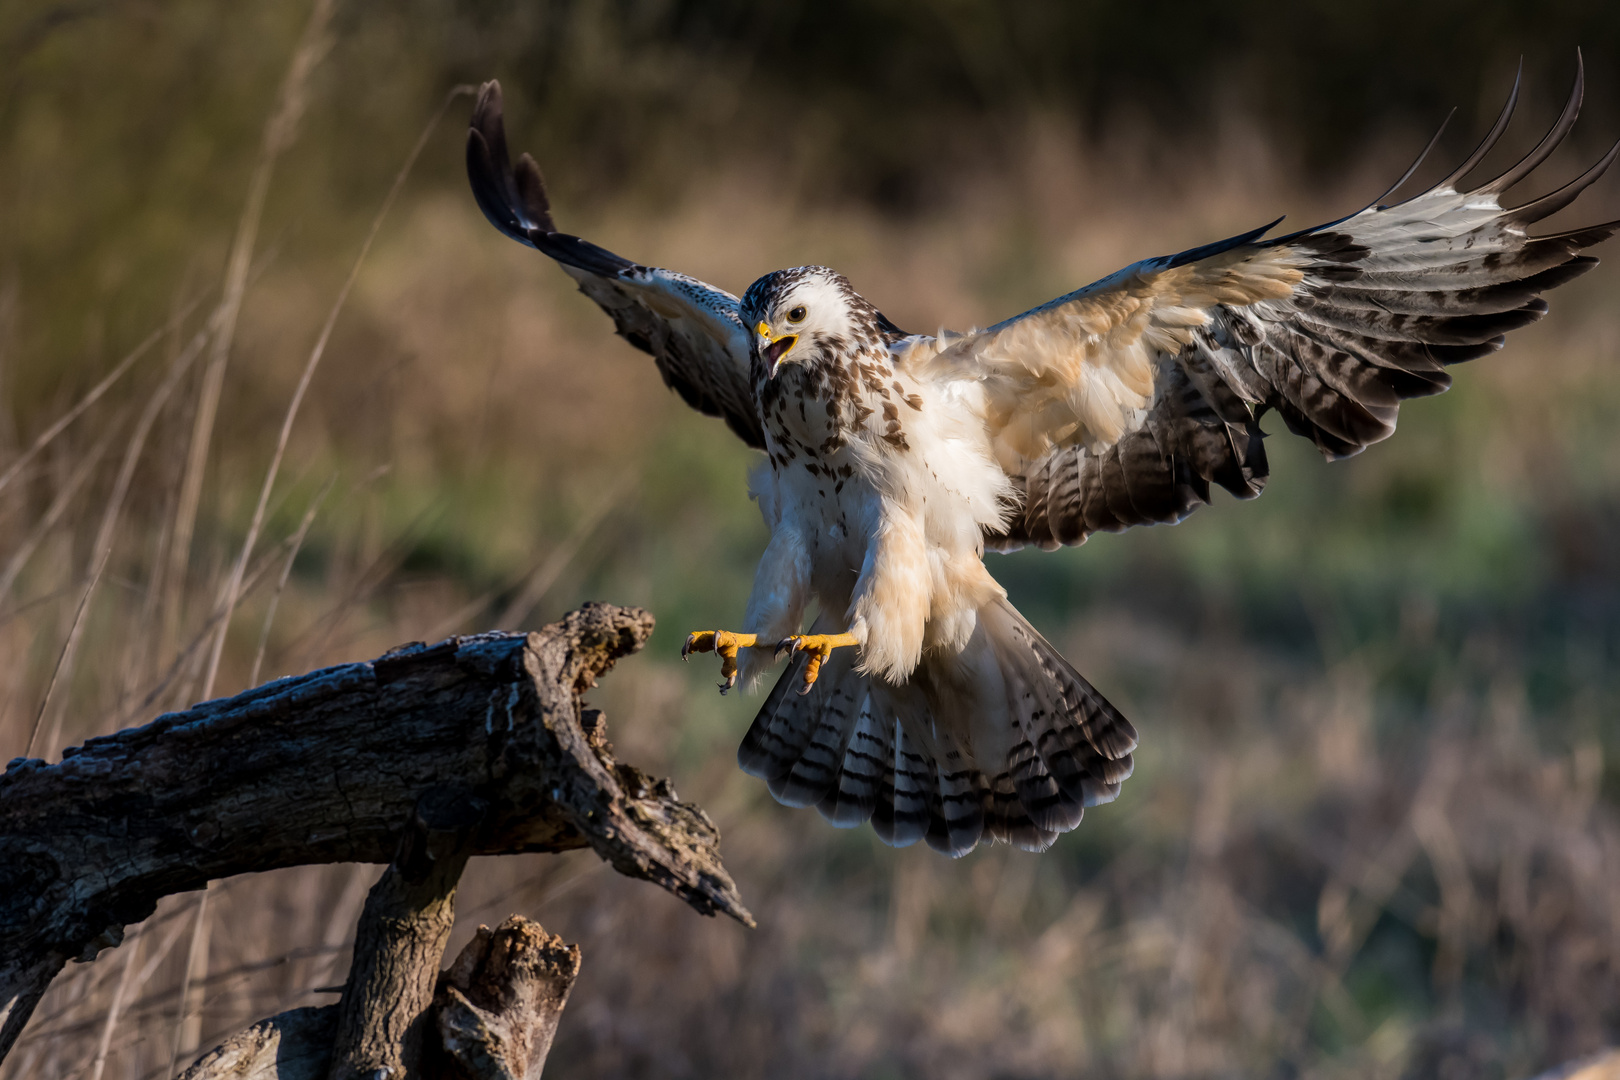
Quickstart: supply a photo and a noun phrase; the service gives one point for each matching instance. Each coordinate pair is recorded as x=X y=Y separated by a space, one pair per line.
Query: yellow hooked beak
x=773 y=348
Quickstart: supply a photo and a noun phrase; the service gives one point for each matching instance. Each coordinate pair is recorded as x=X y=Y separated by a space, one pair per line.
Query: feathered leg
x=775 y=608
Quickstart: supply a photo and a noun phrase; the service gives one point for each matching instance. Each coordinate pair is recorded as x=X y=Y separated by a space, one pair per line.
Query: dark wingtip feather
x=1559 y=275
x=573 y=251
x=1585 y=236
x=1491 y=136
x=1550 y=141
x=486 y=188
x=1480 y=329
x=1554 y=201
x=1182 y=258
x=505 y=197
x=1407 y=175
x=531 y=189
x=514 y=198
x=1461 y=354
x=488 y=108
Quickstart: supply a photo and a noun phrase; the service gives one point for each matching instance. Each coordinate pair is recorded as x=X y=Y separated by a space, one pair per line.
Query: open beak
x=773 y=348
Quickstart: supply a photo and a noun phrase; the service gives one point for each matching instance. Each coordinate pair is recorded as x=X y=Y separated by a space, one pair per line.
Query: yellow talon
x=723 y=642
x=819 y=646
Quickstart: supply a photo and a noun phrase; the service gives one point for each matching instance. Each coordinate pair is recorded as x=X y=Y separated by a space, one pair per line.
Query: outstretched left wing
x=1121 y=403
x=691 y=328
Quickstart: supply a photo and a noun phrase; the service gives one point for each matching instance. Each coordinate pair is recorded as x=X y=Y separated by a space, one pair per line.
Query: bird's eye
x=796 y=314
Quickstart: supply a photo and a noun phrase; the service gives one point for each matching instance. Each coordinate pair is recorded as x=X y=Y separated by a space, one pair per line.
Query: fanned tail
x=1002 y=741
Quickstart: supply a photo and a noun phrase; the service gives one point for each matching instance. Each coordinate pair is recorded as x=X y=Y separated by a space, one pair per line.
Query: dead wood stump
x=475 y=746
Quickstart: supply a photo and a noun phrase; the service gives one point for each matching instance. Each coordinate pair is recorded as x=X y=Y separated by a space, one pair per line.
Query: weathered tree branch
x=498 y=1006
x=383 y=1015
x=494 y=1017
x=329 y=767
x=294 y=1045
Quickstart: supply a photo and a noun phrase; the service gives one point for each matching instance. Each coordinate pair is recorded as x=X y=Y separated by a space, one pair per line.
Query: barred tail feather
x=867 y=768
x=835 y=702
x=960 y=797
x=1009 y=820
x=1002 y=741
x=905 y=806
x=1074 y=748
x=780 y=732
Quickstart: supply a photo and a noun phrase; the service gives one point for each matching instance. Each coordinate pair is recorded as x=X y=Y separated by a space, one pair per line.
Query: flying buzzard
x=920 y=699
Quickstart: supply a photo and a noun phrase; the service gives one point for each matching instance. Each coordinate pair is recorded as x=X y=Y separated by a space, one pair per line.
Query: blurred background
x=1373 y=828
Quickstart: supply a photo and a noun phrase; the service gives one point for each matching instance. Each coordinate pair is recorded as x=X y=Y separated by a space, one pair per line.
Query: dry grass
x=1373 y=831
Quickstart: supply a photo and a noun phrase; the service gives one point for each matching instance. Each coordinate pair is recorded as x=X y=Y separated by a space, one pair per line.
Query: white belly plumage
x=954 y=720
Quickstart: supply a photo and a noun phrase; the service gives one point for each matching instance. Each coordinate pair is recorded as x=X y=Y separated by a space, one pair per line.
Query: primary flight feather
x=920 y=700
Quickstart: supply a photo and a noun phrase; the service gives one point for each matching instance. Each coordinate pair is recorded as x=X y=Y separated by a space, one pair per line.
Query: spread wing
x=692 y=329
x=1122 y=403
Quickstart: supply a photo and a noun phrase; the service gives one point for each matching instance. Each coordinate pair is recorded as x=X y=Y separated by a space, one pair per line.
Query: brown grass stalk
x=69 y=647
x=294 y=547
x=53 y=514
x=114 y=1007
x=234 y=583
x=196 y=954
x=46 y=437
x=57 y=1026
x=316 y=640
x=539 y=578
x=546 y=574
x=192 y=651
x=106 y=534
x=279 y=134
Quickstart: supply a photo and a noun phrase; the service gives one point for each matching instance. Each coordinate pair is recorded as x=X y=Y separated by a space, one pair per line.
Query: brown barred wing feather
x=691 y=329
x=1126 y=402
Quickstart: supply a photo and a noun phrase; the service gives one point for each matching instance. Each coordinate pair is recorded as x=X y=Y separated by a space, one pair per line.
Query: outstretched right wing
x=692 y=329
x=1121 y=403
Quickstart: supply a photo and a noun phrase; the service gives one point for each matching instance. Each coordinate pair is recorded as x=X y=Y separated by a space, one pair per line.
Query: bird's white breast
x=918 y=461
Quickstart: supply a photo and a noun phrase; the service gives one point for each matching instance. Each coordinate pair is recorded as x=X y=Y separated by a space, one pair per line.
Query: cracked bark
x=330 y=767
x=497 y=1008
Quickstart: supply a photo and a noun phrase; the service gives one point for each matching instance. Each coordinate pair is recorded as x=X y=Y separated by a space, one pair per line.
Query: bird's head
x=808 y=313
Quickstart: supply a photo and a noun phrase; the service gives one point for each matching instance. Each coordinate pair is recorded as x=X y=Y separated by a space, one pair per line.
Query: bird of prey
x=919 y=699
